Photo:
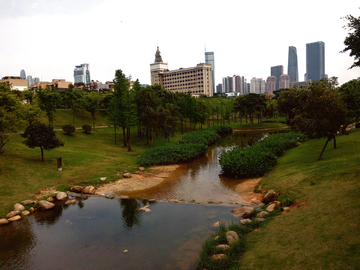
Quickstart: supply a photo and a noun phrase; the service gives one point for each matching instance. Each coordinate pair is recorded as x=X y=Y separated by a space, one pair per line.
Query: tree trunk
x=323 y=149
x=93 y=115
x=42 y=154
x=128 y=139
x=334 y=141
x=124 y=136
x=115 y=130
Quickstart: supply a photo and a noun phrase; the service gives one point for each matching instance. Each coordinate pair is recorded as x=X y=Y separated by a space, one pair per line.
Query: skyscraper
x=270 y=85
x=22 y=74
x=293 y=65
x=277 y=71
x=315 y=61
x=284 y=81
x=82 y=74
x=209 y=59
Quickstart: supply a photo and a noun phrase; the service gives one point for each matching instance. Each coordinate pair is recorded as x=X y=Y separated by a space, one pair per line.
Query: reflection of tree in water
x=130 y=211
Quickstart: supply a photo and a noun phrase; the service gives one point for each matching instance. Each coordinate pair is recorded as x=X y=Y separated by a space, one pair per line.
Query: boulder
x=286 y=209
x=216 y=224
x=245 y=221
x=25 y=213
x=222 y=247
x=123 y=197
x=244 y=211
x=102 y=179
x=262 y=214
x=19 y=207
x=110 y=195
x=70 y=201
x=232 y=237
x=27 y=202
x=32 y=209
x=50 y=199
x=61 y=196
x=276 y=202
x=269 y=197
x=218 y=257
x=127 y=175
x=271 y=207
x=89 y=190
x=14 y=218
x=3 y=221
x=45 y=205
x=141 y=169
x=255 y=202
x=13 y=213
x=77 y=189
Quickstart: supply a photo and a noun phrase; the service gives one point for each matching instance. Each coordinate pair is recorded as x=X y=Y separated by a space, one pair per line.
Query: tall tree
x=350 y=95
x=91 y=104
x=48 y=102
x=352 y=40
x=73 y=99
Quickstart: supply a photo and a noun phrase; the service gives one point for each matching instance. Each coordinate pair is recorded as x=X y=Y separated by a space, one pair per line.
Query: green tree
x=40 y=135
x=91 y=104
x=350 y=95
x=352 y=40
x=250 y=104
x=290 y=102
x=48 y=102
x=74 y=101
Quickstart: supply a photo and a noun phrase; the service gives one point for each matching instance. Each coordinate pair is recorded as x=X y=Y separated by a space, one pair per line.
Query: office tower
x=257 y=86
x=284 y=81
x=29 y=80
x=270 y=85
x=277 y=71
x=293 y=65
x=209 y=59
x=82 y=74
x=315 y=61
x=225 y=85
x=23 y=74
x=219 y=88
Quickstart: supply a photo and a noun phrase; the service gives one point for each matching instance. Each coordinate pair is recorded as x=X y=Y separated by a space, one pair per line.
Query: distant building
x=257 y=86
x=315 y=61
x=29 y=80
x=270 y=85
x=235 y=83
x=23 y=74
x=196 y=80
x=293 y=65
x=209 y=59
x=82 y=74
x=219 y=88
x=277 y=71
x=284 y=81
x=16 y=83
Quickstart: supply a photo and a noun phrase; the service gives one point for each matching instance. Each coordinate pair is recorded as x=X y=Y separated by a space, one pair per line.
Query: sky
x=48 y=38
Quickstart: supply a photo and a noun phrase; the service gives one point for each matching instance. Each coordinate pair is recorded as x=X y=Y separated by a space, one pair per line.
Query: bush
x=357 y=125
x=87 y=129
x=68 y=129
x=171 y=154
x=207 y=136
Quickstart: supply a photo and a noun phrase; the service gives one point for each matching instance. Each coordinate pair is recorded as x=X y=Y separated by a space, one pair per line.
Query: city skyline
x=181 y=40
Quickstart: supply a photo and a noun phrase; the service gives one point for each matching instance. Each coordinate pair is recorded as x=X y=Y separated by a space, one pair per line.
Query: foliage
x=171 y=154
x=74 y=101
x=352 y=40
x=87 y=129
x=250 y=104
x=350 y=96
x=207 y=136
x=48 y=102
x=357 y=125
x=39 y=135
x=290 y=102
x=68 y=129
x=91 y=104
x=258 y=159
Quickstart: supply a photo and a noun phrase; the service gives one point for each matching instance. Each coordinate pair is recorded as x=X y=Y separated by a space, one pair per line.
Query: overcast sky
x=48 y=38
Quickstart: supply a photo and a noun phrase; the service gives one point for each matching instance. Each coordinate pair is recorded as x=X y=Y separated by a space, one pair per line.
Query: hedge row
x=190 y=146
x=257 y=160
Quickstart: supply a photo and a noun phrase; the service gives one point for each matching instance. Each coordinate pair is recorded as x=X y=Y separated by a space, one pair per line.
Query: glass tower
x=315 y=61
x=209 y=59
x=82 y=74
x=277 y=71
x=293 y=65
x=22 y=74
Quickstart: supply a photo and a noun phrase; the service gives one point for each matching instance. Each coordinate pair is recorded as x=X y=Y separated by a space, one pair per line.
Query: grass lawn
x=324 y=233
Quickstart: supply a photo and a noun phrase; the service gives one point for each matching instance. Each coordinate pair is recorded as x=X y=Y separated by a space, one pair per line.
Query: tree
x=250 y=104
x=48 y=102
x=322 y=113
x=350 y=95
x=74 y=101
x=91 y=104
x=40 y=135
x=352 y=40
x=290 y=102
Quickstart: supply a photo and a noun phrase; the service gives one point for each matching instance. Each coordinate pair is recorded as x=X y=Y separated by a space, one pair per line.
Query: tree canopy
x=352 y=40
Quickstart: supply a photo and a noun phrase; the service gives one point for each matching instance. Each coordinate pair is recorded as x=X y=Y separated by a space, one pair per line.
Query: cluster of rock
x=19 y=208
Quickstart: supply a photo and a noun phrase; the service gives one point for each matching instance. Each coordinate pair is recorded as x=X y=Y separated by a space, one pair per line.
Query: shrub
x=207 y=136
x=68 y=129
x=87 y=129
x=357 y=125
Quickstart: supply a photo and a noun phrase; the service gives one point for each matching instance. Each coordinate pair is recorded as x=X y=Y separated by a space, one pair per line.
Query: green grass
x=325 y=234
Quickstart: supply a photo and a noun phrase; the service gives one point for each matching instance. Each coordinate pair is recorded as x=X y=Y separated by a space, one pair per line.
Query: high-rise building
x=284 y=81
x=277 y=71
x=219 y=88
x=197 y=80
x=23 y=74
x=293 y=65
x=82 y=74
x=315 y=61
x=235 y=83
x=270 y=85
x=257 y=86
x=209 y=59
x=29 y=80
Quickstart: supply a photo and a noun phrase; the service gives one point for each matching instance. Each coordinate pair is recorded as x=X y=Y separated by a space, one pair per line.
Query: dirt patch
x=298 y=204
x=246 y=189
x=44 y=192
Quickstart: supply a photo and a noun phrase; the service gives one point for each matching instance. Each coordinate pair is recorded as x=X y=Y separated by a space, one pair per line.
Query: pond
x=100 y=233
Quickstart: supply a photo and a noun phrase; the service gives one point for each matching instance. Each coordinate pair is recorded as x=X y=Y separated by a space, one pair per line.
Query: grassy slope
x=325 y=234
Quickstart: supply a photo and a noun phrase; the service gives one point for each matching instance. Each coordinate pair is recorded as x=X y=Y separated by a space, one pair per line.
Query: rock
x=222 y=247
x=255 y=202
x=77 y=189
x=244 y=211
x=216 y=238
x=175 y=201
x=259 y=219
x=232 y=237
x=152 y=200
x=271 y=207
x=141 y=169
x=102 y=179
x=276 y=202
x=13 y=213
x=124 y=197
x=14 y=218
x=218 y=257
x=262 y=214
x=3 y=221
x=269 y=197
x=27 y=202
x=245 y=221
x=216 y=224
x=50 y=199
x=89 y=190
x=145 y=208
x=110 y=195
x=19 y=207
x=286 y=209
x=25 y=213
x=70 y=201
x=45 y=205
x=61 y=196
x=32 y=209
x=127 y=175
